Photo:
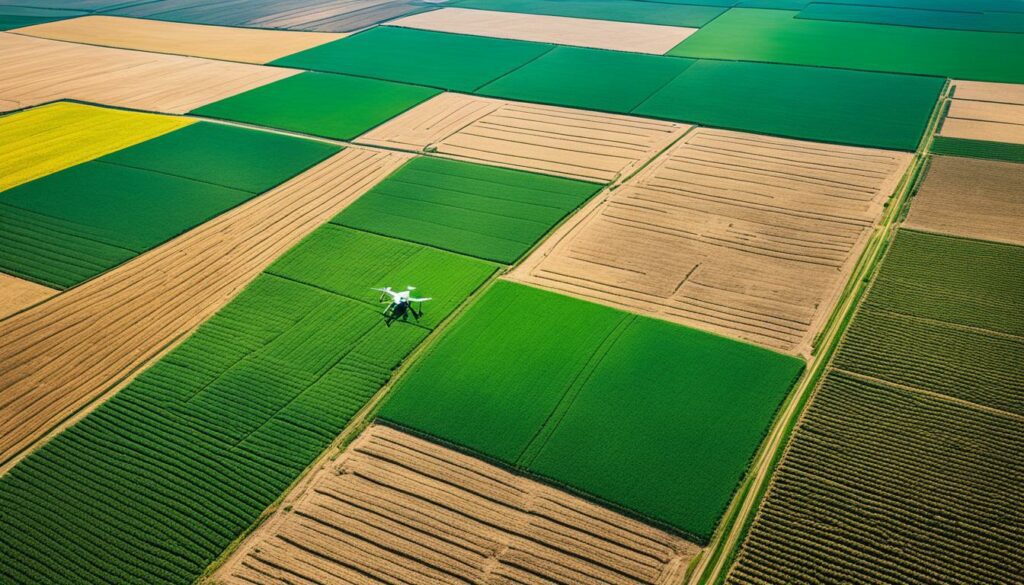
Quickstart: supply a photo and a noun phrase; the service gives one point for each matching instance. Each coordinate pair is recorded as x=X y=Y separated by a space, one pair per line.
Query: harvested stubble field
x=487 y=212
x=691 y=13
x=629 y=398
x=580 y=32
x=744 y=235
x=992 y=112
x=910 y=450
x=972 y=198
x=591 y=146
x=313 y=15
x=212 y=42
x=17 y=294
x=321 y=104
x=71 y=225
x=50 y=138
x=154 y=483
x=59 y=357
x=35 y=71
x=397 y=508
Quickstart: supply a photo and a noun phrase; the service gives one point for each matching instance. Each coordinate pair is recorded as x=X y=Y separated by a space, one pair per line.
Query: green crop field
x=159 y=479
x=229 y=156
x=882 y=485
x=916 y=17
x=588 y=78
x=777 y=36
x=910 y=451
x=435 y=59
x=71 y=225
x=830 y=105
x=978 y=149
x=690 y=13
x=320 y=104
x=488 y=212
x=586 y=395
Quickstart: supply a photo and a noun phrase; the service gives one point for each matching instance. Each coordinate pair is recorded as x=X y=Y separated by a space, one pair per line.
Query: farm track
x=64 y=354
x=36 y=71
x=743 y=235
x=401 y=509
x=579 y=144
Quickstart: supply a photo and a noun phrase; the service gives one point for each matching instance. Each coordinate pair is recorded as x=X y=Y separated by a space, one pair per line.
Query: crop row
x=883 y=485
x=152 y=485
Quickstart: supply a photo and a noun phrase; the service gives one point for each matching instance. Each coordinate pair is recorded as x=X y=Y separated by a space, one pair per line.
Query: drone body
x=400 y=304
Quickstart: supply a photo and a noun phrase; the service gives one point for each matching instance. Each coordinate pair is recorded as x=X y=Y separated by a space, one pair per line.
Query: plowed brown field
x=986 y=111
x=974 y=198
x=248 y=45
x=16 y=294
x=398 y=509
x=35 y=71
x=744 y=235
x=547 y=139
x=579 y=32
x=64 y=354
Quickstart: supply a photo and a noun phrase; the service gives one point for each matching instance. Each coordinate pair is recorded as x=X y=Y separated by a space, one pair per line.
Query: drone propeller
x=415 y=300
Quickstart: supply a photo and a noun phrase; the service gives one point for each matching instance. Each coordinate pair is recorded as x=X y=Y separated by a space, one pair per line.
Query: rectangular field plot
x=12 y=17
x=776 y=36
x=487 y=212
x=973 y=198
x=223 y=423
x=668 y=13
x=811 y=103
x=395 y=506
x=578 y=144
x=586 y=395
x=945 y=315
x=312 y=15
x=36 y=71
x=213 y=42
x=743 y=235
x=882 y=485
x=333 y=106
x=924 y=17
x=989 y=112
x=66 y=227
x=592 y=79
x=434 y=59
x=559 y=30
x=53 y=137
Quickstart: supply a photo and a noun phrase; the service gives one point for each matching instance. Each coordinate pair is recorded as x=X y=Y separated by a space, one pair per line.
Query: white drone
x=400 y=304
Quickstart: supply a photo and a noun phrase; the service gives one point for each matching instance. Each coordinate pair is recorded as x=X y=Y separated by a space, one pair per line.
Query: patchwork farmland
x=675 y=292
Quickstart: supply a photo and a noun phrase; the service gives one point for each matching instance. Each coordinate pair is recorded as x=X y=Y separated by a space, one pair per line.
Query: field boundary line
x=931 y=393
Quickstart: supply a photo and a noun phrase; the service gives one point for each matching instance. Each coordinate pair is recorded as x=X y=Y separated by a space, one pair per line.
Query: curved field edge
x=712 y=566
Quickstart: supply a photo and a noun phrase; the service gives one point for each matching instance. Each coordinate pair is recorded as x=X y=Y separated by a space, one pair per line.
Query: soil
x=974 y=198
x=561 y=141
x=35 y=71
x=560 y=30
x=17 y=294
x=397 y=508
x=247 y=45
x=67 y=353
x=744 y=235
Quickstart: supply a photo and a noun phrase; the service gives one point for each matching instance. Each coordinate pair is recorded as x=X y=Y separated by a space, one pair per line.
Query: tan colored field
x=35 y=71
x=744 y=235
x=398 y=509
x=16 y=294
x=562 y=141
x=248 y=45
x=579 y=32
x=64 y=354
x=986 y=111
x=974 y=198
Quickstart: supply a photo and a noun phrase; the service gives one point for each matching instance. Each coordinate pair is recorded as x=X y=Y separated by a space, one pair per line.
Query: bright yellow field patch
x=53 y=137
